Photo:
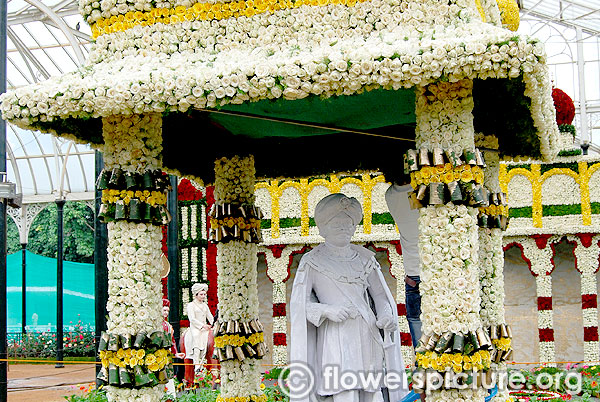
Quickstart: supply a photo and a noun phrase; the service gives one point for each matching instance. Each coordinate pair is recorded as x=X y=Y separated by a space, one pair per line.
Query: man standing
x=406 y=220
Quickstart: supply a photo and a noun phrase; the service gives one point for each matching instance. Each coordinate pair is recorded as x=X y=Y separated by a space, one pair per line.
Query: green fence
x=78 y=295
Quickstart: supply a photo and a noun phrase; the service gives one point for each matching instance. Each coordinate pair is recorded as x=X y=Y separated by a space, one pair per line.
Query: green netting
x=78 y=295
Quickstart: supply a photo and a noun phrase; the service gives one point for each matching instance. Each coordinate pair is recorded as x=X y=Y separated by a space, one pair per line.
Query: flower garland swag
x=239 y=341
x=491 y=275
x=448 y=242
x=394 y=255
x=538 y=251
x=192 y=241
x=587 y=254
x=133 y=146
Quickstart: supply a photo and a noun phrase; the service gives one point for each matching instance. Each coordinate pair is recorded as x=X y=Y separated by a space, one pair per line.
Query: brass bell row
x=415 y=159
x=232 y=327
x=246 y=211
x=472 y=194
x=450 y=342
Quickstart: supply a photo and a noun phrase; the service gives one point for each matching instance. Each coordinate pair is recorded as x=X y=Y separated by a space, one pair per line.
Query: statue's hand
x=387 y=323
x=337 y=313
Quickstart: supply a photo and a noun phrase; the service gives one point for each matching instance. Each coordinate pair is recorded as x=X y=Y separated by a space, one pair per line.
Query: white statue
x=201 y=320
x=333 y=323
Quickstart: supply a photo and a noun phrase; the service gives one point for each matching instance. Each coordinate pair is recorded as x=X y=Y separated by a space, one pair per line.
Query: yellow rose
x=140 y=353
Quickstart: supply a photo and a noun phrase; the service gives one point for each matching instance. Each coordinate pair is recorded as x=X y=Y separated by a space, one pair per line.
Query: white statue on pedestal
x=340 y=307
x=201 y=320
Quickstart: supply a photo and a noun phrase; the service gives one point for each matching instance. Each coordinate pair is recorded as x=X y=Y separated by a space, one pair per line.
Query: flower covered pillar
x=538 y=250
x=587 y=253
x=235 y=226
x=446 y=174
x=135 y=350
x=492 y=221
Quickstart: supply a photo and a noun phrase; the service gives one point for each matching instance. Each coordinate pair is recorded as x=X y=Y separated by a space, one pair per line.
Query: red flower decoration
x=279 y=310
x=565 y=108
x=589 y=301
x=187 y=192
x=546 y=334
x=405 y=339
x=401 y=309
x=590 y=334
x=279 y=339
x=544 y=303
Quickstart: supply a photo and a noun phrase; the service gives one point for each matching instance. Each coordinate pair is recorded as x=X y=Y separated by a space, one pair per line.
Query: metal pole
x=23 y=288
x=173 y=256
x=3 y=344
x=583 y=115
x=100 y=267
x=59 y=283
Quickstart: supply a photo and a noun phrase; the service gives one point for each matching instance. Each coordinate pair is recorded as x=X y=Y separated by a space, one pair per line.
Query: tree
x=78 y=226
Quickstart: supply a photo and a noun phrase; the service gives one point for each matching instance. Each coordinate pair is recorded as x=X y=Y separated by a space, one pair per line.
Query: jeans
x=413 y=309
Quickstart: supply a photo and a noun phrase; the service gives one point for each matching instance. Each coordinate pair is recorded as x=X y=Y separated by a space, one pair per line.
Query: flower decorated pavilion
x=215 y=91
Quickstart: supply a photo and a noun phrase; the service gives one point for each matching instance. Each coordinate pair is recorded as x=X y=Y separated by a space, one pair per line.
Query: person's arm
x=317 y=312
x=385 y=316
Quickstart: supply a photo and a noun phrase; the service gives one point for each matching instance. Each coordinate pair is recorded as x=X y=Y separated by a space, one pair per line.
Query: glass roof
x=49 y=37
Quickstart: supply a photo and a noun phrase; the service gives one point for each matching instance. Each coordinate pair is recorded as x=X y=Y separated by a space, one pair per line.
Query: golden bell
x=230 y=327
x=239 y=353
x=432 y=341
x=479 y=158
x=438 y=157
x=483 y=339
x=421 y=192
x=436 y=194
x=411 y=160
x=453 y=158
x=424 y=157
x=494 y=332
x=503 y=331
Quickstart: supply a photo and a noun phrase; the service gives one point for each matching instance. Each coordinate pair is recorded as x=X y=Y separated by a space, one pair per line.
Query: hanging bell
x=479 y=158
x=139 y=339
x=421 y=192
x=470 y=158
x=453 y=157
x=246 y=328
x=229 y=352
x=482 y=221
x=432 y=341
x=502 y=198
x=459 y=343
x=120 y=211
x=422 y=343
x=508 y=331
x=134 y=209
x=442 y=343
x=412 y=160
x=124 y=377
x=116 y=178
x=230 y=327
x=249 y=350
x=130 y=180
x=436 y=194
x=103 y=344
x=113 y=342
x=146 y=212
x=494 y=332
x=503 y=331
x=484 y=343
x=503 y=222
x=424 y=157
x=474 y=340
x=103 y=375
x=162 y=376
x=438 y=157
x=126 y=341
x=456 y=195
x=239 y=353
x=103 y=179
x=148 y=180
x=113 y=374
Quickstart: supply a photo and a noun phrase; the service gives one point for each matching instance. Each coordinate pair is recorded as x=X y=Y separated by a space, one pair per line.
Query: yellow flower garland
x=136 y=357
x=503 y=344
x=495 y=210
x=203 y=12
x=149 y=197
x=240 y=222
x=456 y=361
x=251 y=398
x=238 y=340
x=446 y=174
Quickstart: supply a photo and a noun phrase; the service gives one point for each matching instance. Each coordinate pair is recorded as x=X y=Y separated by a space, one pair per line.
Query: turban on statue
x=333 y=204
x=166 y=303
x=197 y=287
